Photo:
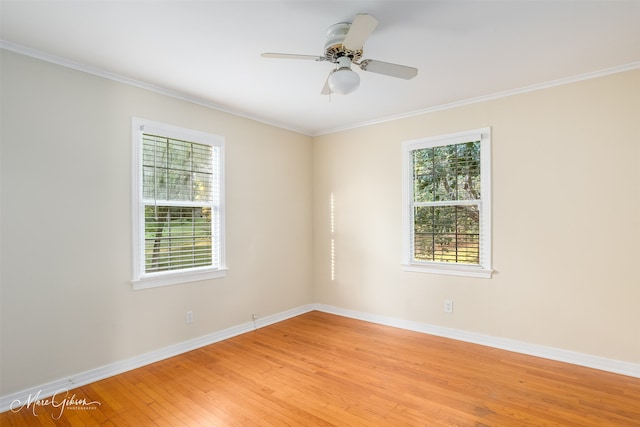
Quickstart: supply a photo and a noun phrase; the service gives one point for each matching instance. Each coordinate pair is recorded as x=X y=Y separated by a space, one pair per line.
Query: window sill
x=451 y=270
x=168 y=279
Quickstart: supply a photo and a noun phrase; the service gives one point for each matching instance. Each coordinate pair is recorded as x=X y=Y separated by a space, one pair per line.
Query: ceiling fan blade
x=292 y=56
x=388 y=69
x=359 y=31
x=326 y=90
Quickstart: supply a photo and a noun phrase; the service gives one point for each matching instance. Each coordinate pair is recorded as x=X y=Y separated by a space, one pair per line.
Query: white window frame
x=484 y=269
x=141 y=279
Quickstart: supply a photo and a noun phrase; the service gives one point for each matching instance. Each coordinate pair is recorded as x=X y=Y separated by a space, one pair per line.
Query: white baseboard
x=575 y=358
x=87 y=377
x=47 y=390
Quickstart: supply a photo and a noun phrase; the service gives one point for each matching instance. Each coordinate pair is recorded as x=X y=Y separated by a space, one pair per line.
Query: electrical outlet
x=448 y=306
x=254 y=316
x=189 y=317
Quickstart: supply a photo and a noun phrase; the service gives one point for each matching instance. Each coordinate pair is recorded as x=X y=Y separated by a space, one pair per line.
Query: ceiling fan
x=343 y=47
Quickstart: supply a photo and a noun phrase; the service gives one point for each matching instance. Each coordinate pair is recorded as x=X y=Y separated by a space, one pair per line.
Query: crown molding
x=205 y=103
x=33 y=53
x=490 y=97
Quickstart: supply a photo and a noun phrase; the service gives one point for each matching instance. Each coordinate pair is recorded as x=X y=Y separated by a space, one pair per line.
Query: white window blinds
x=180 y=199
x=180 y=202
x=447 y=204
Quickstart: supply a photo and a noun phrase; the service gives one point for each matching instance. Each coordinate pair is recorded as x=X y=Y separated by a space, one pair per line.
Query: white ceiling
x=210 y=50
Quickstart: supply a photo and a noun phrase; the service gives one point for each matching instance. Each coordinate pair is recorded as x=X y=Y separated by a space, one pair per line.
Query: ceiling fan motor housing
x=344 y=47
x=334 y=49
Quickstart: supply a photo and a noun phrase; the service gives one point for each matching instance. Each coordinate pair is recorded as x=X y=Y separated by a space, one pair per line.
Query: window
x=178 y=206
x=447 y=204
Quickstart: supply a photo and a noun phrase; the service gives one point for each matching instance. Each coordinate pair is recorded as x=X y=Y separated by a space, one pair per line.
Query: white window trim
x=142 y=280
x=484 y=270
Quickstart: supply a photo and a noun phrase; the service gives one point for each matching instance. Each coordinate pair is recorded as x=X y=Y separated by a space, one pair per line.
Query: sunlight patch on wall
x=333 y=240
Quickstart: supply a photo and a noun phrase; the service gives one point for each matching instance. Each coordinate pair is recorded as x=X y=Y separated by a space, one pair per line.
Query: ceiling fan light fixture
x=344 y=47
x=344 y=81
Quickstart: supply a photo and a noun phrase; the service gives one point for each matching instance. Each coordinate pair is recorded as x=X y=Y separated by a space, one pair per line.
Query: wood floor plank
x=319 y=369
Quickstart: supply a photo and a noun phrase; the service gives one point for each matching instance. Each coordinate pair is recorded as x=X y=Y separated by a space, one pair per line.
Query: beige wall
x=566 y=220
x=67 y=304
x=566 y=199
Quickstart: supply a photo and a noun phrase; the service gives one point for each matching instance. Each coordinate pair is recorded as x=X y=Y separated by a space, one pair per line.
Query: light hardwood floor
x=319 y=369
